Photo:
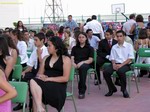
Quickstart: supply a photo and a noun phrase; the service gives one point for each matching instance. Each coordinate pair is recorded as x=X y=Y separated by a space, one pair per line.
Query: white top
x=127 y=26
x=30 y=45
x=33 y=58
x=72 y=43
x=22 y=48
x=94 y=41
x=96 y=27
x=121 y=53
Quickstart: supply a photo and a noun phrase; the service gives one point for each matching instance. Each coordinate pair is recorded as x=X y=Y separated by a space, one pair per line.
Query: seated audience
x=21 y=46
x=121 y=56
x=142 y=42
x=82 y=58
x=93 y=40
x=6 y=61
x=103 y=51
x=49 y=87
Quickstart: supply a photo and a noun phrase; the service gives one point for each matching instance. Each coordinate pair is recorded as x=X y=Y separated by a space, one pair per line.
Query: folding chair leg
x=136 y=85
x=88 y=83
x=24 y=107
x=97 y=80
x=74 y=103
x=46 y=108
x=63 y=109
x=138 y=75
x=129 y=84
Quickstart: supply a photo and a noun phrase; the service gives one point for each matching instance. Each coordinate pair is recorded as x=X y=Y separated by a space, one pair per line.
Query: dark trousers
x=82 y=78
x=28 y=76
x=100 y=62
x=97 y=34
x=121 y=74
x=132 y=37
x=24 y=65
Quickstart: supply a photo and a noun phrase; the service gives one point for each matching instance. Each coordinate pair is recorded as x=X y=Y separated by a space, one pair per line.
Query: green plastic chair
x=105 y=65
x=18 y=62
x=91 y=71
x=22 y=89
x=142 y=52
x=70 y=94
x=17 y=73
x=129 y=74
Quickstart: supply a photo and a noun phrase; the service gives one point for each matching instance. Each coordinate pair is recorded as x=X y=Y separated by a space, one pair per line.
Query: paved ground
x=97 y=102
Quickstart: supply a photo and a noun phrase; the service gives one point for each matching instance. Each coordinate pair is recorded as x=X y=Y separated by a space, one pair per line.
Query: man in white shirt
x=96 y=27
x=121 y=56
x=36 y=57
x=128 y=25
x=93 y=40
x=29 y=41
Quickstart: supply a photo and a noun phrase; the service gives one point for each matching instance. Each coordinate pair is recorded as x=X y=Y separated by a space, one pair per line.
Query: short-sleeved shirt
x=82 y=53
x=122 y=53
x=94 y=41
x=33 y=60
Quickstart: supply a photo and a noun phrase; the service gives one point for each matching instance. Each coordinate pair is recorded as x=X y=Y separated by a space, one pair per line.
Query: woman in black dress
x=49 y=87
x=6 y=61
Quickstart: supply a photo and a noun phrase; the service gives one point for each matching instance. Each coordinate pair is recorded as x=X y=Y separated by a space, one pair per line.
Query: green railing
x=81 y=19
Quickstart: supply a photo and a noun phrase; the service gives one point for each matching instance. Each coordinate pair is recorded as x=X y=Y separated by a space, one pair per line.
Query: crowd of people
x=53 y=53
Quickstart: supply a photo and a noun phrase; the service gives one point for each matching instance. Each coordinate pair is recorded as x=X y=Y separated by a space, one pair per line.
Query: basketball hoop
x=118 y=8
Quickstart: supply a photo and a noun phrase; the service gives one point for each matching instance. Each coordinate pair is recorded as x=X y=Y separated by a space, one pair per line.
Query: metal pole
x=53 y=11
x=115 y=17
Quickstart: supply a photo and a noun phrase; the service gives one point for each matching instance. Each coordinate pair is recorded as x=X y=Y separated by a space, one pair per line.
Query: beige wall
x=9 y=12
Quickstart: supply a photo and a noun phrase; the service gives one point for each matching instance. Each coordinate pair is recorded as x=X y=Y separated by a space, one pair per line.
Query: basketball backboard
x=118 y=8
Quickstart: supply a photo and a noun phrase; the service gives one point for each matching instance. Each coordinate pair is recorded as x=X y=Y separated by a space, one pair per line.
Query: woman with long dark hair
x=13 y=51
x=16 y=36
x=6 y=61
x=20 y=26
x=50 y=85
x=82 y=57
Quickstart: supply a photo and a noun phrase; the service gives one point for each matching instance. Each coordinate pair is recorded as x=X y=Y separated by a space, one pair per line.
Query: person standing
x=70 y=23
x=121 y=57
x=96 y=27
x=128 y=25
x=148 y=24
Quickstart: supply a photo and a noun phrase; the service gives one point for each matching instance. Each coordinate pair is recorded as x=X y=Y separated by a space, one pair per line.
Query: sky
x=35 y=8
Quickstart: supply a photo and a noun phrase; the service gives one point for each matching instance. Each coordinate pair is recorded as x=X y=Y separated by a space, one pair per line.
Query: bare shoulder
x=1 y=74
x=45 y=57
x=14 y=51
x=66 y=59
x=9 y=58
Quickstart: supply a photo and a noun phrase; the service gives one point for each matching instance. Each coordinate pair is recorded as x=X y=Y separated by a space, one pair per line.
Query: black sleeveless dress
x=3 y=65
x=53 y=93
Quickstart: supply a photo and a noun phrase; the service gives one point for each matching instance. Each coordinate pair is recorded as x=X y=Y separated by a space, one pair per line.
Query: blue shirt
x=71 y=24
